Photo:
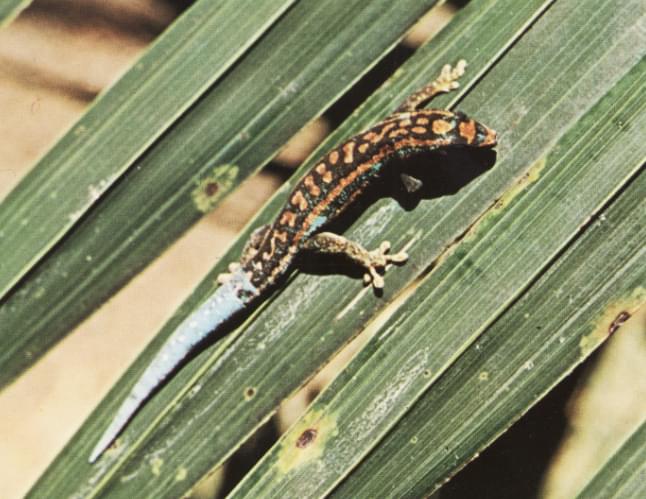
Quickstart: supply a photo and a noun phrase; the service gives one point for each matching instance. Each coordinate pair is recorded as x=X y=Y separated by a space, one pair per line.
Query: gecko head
x=486 y=137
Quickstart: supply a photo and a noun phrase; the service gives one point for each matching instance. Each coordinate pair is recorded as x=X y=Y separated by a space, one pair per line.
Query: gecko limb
x=371 y=261
x=248 y=252
x=411 y=184
x=255 y=241
x=447 y=81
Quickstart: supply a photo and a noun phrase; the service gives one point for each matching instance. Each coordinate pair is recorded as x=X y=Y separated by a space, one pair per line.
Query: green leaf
x=219 y=398
x=10 y=9
x=506 y=250
x=199 y=47
x=234 y=129
x=624 y=473
x=563 y=318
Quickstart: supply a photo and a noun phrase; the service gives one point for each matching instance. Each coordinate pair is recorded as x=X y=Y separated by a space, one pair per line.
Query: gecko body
x=320 y=197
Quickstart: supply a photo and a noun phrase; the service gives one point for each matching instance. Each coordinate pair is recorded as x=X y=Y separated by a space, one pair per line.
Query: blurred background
x=55 y=58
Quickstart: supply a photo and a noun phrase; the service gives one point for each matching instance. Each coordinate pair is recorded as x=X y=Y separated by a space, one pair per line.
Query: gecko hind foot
x=379 y=259
x=226 y=276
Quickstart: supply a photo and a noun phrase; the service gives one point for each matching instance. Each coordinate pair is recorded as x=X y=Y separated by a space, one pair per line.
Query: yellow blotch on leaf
x=155 y=465
x=181 y=474
x=306 y=441
x=213 y=186
x=611 y=318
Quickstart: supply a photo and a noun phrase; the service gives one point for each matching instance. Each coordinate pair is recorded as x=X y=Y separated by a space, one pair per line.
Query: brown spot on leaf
x=306 y=438
x=249 y=392
x=619 y=320
x=211 y=188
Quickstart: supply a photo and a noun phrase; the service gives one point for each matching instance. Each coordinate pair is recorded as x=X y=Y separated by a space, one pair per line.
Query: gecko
x=333 y=184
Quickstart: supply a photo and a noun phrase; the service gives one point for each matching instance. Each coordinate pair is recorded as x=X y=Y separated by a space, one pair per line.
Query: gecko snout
x=486 y=136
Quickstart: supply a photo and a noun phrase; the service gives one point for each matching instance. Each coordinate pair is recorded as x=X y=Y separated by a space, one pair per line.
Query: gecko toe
x=377 y=279
x=400 y=257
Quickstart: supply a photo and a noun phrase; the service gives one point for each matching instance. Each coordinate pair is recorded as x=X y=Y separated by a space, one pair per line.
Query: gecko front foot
x=449 y=76
x=445 y=82
x=379 y=259
x=372 y=261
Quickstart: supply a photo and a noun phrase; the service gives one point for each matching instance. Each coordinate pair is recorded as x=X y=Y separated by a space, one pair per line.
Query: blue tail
x=217 y=309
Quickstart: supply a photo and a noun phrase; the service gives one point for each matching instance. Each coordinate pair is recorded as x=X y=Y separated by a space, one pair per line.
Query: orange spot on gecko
x=288 y=218
x=348 y=152
x=363 y=148
x=387 y=127
x=440 y=127
x=327 y=177
x=312 y=188
x=281 y=236
x=370 y=136
x=299 y=200
x=468 y=130
x=378 y=137
x=334 y=157
x=419 y=129
x=422 y=121
x=320 y=168
x=405 y=123
x=398 y=132
x=267 y=255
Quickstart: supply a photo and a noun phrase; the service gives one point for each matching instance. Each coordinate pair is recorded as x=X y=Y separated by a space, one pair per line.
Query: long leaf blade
x=453 y=306
x=193 y=53
x=270 y=356
x=624 y=474
x=10 y=9
x=561 y=320
x=250 y=114
x=364 y=30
